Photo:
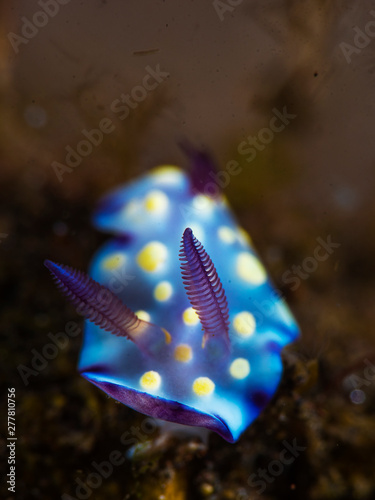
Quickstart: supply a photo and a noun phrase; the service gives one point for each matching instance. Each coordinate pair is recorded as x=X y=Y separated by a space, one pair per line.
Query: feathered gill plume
x=204 y=289
x=98 y=304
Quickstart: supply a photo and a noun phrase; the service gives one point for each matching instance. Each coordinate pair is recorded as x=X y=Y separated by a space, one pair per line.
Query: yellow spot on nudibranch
x=190 y=317
x=250 y=269
x=143 y=315
x=156 y=201
x=183 y=353
x=163 y=291
x=244 y=324
x=226 y=234
x=152 y=256
x=150 y=380
x=239 y=368
x=203 y=386
x=113 y=262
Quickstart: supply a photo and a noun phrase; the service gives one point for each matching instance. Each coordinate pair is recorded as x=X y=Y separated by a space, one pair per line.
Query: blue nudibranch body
x=205 y=327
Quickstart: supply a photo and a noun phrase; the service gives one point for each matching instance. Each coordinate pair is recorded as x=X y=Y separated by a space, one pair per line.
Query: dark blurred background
x=225 y=66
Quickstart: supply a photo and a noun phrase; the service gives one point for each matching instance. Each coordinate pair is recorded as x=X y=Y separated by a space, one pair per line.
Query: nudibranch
x=182 y=322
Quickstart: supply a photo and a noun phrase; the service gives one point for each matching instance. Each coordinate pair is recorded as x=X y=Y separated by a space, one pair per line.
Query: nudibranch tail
x=204 y=289
x=98 y=304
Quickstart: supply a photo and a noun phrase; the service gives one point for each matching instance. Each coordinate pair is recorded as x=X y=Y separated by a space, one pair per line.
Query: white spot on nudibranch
x=226 y=234
x=239 y=368
x=167 y=174
x=204 y=204
x=203 y=386
x=156 y=202
x=250 y=269
x=244 y=324
x=163 y=291
x=152 y=256
x=131 y=209
x=143 y=315
x=150 y=380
